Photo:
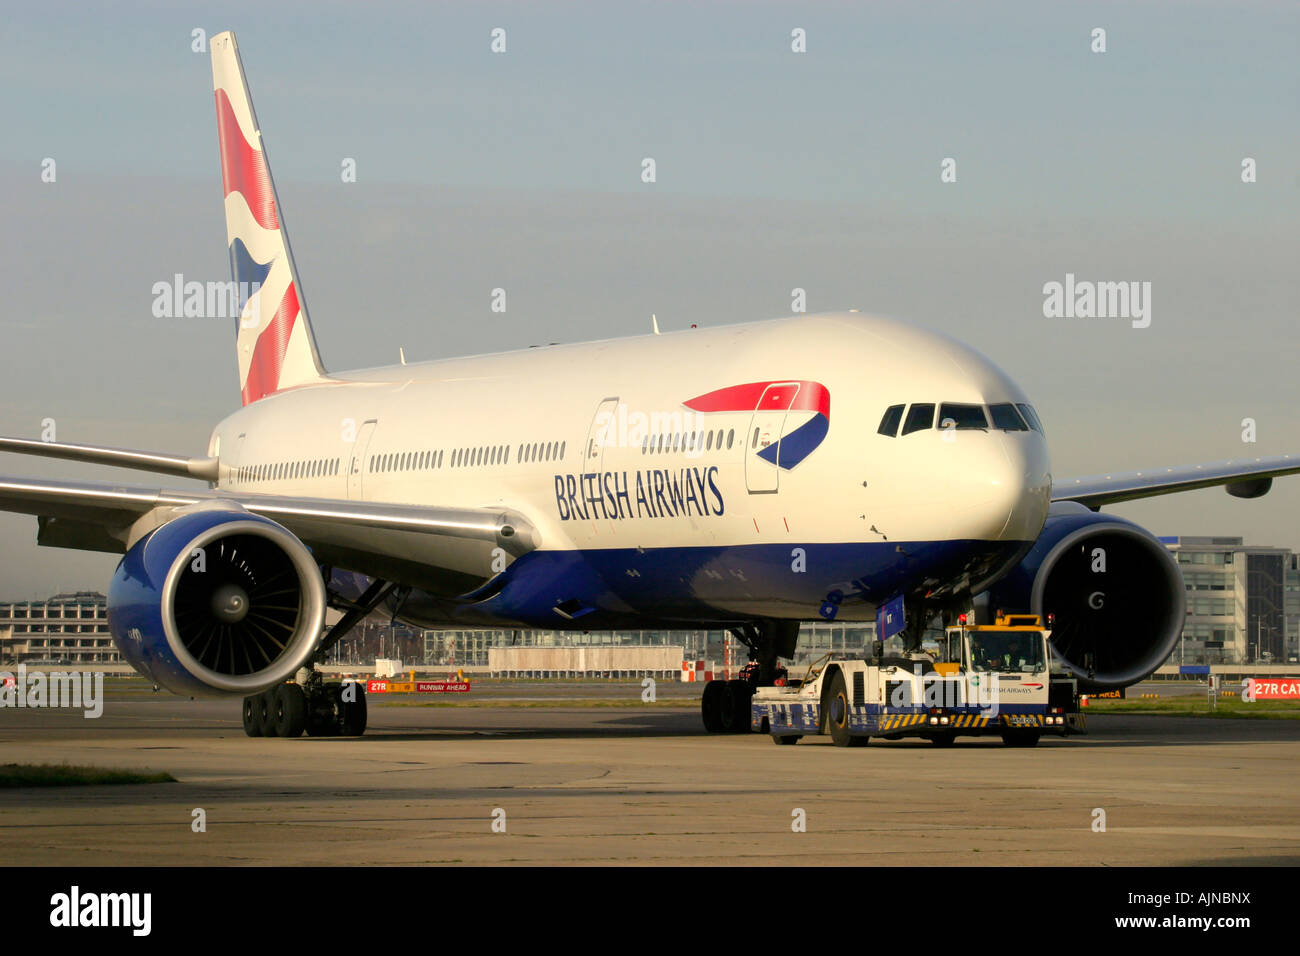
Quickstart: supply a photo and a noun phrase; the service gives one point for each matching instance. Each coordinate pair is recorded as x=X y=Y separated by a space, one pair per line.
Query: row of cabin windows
x=540 y=451
x=402 y=461
x=467 y=457
x=288 y=470
x=1005 y=416
x=406 y=461
x=694 y=441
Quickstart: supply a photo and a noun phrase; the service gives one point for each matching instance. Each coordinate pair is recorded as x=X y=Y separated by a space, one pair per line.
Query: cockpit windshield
x=1007 y=651
x=1006 y=416
x=962 y=416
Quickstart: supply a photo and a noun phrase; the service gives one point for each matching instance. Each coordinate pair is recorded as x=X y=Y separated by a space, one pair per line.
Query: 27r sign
x=1271 y=688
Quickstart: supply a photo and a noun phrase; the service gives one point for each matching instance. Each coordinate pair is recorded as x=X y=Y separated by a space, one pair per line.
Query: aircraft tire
x=252 y=726
x=711 y=706
x=264 y=708
x=735 y=707
x=290 y=710
x=354 y=713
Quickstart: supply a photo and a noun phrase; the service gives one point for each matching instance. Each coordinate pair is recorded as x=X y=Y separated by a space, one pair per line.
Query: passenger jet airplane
x=747 y=478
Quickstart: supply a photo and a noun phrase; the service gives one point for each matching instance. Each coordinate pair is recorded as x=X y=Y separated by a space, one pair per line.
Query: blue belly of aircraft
x=682 y=587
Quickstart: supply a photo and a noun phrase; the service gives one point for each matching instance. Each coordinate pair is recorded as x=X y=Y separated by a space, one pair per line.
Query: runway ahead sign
x=379 y=686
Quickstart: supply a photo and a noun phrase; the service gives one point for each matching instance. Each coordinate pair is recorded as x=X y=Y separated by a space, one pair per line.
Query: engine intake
x=1113 y=591
x=217 y=602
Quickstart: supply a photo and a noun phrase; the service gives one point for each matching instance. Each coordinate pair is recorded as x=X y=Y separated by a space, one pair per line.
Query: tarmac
x=546 y=773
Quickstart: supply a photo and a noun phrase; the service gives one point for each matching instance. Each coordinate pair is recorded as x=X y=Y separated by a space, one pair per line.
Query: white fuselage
x=520 y=429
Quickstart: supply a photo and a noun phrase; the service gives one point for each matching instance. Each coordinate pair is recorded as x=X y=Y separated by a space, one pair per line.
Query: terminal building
x=65 y=629
x=1243 y=602
x=472 y=647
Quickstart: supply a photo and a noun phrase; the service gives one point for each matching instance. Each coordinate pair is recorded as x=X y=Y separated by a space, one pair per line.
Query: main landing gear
x=320 y=709
x=310 y=704
x=725 y=705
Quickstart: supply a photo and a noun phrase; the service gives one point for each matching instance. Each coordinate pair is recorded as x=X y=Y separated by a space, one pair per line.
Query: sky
x=775 y=170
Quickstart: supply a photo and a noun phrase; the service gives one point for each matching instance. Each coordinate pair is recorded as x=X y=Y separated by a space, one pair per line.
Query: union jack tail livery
x=275 y=343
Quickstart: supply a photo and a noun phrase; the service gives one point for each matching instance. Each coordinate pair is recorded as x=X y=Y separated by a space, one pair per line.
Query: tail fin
x=275 y=343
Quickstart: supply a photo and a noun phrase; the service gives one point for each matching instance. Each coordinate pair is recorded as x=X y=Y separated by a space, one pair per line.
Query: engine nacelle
x=217 y=602
x=1114 y=593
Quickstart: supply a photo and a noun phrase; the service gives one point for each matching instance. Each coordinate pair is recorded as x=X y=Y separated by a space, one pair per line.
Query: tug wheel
x=837 y=715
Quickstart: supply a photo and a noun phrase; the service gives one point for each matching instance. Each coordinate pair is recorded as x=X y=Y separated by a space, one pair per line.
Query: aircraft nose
x=1025 y=483
x=997 y=485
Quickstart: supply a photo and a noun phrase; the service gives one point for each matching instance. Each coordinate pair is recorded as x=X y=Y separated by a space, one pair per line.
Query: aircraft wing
x=179 y=465
x=1244 y=478
x=446 y=550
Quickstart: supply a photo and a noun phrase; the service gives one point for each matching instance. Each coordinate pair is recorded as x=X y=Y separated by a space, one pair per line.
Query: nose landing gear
x=725 y=706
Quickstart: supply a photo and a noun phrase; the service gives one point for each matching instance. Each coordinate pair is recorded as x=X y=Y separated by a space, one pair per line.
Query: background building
x=66 y=629
x=1243 y=602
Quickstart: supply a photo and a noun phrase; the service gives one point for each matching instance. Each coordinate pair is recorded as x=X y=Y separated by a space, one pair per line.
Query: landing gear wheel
x=943 y=740
x=711 y=706
x=1022 y=738
x=264 y=710
x=353 y=711
x=252 y=726
x=786 y=740
x=735 y=707
x=322 y=720
x=289 y=710
x=837 y=715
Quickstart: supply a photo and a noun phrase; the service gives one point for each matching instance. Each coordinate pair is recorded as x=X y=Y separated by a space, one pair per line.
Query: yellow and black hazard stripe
x=969 y=720
x=899 y=721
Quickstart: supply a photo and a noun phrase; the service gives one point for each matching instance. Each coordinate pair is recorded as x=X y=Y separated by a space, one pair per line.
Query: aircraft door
x=357 y=457
x=237 y=459
x=602 y=433
x=763 y=440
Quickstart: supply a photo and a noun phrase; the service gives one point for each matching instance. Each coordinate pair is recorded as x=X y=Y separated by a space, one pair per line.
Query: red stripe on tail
x=268 y=353
x=243 y=168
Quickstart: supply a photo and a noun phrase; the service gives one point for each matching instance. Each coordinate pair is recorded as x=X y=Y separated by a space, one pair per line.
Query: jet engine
x=1112 y=592
x=217 y=602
